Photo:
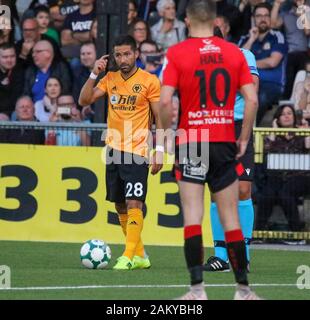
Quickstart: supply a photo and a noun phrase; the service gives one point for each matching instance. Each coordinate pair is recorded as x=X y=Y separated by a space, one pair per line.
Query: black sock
x=193 y=250
x=237 y=255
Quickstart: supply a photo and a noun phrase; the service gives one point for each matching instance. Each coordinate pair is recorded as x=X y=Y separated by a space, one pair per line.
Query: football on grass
x=95 y=254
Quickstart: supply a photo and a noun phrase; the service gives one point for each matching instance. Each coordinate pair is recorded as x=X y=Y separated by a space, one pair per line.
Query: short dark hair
x=59 y=81
x=151 y=42
x=264 y=5
x=125 y=40
x=7 y=45
x=201 y=10
x=41 y=8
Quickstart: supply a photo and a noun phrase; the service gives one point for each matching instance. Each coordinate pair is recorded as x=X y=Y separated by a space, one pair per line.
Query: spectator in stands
x=284 y=187
x=297 y=37
x=270 y=50
x=11 y=78
x=88 y=58
x=45 y=66
x=140 y=31
x=94 y=31
x=47 y=106
x=59 y=9
x=246 y=21
x=301 y=94
x=31 y=35
x=223 y=23
x=25 y=112
x=42 y=16
x=150 y=58
x=168 y=30
x=6 y=34
x=132 y=11
x=4 y=138
x=77 y=28
x=68 y=112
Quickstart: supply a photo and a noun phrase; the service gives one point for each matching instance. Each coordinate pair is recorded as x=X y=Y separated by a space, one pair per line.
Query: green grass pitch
x=53 y=271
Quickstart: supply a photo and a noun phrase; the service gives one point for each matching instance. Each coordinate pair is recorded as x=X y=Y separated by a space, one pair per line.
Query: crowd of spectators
x=47 y=55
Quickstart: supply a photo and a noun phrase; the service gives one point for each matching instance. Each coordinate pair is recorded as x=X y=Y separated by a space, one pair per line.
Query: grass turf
x=38 y=264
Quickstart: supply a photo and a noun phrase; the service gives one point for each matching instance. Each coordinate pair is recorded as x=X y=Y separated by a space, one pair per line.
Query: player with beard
x=133 y=102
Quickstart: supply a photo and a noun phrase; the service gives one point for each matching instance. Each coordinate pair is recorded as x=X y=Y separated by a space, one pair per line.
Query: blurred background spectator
x=47 y=106
x=11 y=78
x=297 y=39
x=81 y=74
x=68 y=112
x=132 y=11
x=24 y=111
x=76 y=29
x=284 y=187
x=301 y=93
x=150 y=58
x=45 y=65
x=140 y=31
x=42 y=16
x=270 y=50
x=168 y=30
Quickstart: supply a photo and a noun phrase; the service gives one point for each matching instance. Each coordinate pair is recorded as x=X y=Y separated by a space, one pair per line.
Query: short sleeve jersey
x=208 y=72
x=240 y=104
x=129 y=115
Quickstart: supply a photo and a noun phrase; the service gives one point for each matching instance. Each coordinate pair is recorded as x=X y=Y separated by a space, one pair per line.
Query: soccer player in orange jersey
x=133 y=102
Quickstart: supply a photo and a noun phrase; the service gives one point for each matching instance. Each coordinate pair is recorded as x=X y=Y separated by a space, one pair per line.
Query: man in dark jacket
x=11 y=79
x=45 y=66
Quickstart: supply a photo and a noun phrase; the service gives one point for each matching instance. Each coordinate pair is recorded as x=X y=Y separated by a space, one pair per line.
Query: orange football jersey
x=130 y=115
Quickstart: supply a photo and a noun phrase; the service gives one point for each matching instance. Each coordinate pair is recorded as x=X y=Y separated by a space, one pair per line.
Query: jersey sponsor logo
x=248 y=171
x=81 y=25
x=114 y=99
x=209 y=47
x=123 y=99
x=137 y=88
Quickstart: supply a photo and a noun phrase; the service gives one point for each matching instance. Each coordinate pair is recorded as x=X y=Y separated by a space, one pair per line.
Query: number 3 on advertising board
x=28 y=205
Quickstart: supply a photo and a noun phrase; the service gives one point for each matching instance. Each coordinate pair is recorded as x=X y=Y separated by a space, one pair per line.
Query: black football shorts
x=125 y=181
x=213 y=163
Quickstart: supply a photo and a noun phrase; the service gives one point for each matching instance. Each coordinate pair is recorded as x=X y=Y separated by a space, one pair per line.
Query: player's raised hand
x=100 y=64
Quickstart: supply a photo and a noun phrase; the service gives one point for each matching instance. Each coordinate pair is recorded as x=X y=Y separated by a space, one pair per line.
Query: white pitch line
x=140 y=286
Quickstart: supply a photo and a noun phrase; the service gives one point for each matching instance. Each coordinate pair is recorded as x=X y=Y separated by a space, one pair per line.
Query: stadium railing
x=288 y=162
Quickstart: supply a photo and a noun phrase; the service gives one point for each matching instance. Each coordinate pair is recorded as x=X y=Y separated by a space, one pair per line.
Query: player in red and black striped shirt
x=208 y=71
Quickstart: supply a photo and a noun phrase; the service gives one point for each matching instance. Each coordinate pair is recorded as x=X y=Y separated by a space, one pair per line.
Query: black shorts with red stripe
x=213 y=163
